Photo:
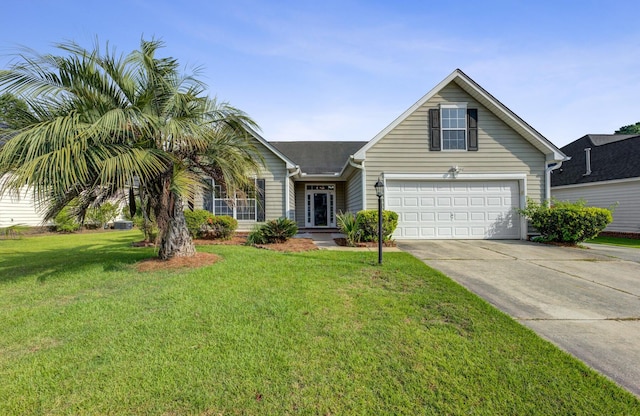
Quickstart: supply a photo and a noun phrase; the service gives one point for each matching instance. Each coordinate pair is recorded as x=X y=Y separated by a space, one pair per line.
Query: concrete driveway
x=586 y=301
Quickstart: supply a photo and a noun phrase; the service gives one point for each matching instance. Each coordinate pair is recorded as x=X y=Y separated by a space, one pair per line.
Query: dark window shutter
x=260 y=185
x=434 y=129
x=472 y=129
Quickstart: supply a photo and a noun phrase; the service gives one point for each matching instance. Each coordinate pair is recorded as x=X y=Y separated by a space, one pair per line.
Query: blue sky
x=344 y=70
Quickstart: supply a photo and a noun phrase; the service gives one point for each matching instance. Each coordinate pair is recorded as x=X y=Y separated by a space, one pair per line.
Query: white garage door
x=454 y=209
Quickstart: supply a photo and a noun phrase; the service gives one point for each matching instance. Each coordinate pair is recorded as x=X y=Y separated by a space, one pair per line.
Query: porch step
x=319 y=230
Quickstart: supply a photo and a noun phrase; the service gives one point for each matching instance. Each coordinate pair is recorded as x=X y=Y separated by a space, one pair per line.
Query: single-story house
x=457 y=164
x=603 y=171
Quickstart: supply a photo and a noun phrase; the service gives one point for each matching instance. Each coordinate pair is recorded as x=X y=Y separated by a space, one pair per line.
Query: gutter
x=547 y=178
x=364 y=179
x=287 y=201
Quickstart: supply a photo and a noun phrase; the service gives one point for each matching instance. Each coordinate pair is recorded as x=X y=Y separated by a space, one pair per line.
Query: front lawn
x=616 y=241
x=263 y=332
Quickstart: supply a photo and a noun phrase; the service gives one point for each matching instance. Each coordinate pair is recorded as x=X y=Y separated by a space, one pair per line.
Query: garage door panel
x=456 y=209
x=427 y=216
x=427 y=202
x=410 y=217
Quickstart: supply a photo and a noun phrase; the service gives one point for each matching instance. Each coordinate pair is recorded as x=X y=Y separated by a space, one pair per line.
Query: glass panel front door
x=320 y=208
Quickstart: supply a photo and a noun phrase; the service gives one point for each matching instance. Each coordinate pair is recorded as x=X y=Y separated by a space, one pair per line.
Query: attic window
x=454 y=126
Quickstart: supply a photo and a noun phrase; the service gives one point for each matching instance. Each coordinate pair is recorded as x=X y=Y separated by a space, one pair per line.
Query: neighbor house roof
x=490 y=102
x=612 y=156
x=318 y=158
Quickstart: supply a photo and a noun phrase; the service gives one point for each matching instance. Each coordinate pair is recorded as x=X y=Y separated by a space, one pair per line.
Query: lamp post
x=379 y=193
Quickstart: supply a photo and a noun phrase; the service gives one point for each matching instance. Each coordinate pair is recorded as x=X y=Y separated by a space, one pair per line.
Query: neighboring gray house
x=604 y=170
x=456 y=165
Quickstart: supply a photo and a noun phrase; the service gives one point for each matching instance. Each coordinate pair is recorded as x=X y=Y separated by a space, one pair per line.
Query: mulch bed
x=343 y=243
x=293 y=245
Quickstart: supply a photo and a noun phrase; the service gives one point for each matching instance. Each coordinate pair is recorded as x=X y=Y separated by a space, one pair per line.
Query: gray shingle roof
x=319 y=157
x=613 y=156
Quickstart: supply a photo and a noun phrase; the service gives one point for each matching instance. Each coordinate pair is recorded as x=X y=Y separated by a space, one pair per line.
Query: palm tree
x=100 y=122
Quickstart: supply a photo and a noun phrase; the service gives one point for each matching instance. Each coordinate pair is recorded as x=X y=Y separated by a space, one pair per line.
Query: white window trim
x=331 y=221
x=442 y=129
x=235 y=204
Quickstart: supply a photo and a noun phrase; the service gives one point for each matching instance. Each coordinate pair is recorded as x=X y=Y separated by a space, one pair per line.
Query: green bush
x=65 y=221
x=368 y=220
x=197 y=220
x=567 y=222
x=273 y=231
x=256 y=236
x=280 y=230
x=102 y=215
x=220 y=227
x=350 y=227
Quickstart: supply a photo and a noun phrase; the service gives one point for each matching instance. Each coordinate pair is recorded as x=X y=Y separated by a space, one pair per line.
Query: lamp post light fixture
x=379 y=193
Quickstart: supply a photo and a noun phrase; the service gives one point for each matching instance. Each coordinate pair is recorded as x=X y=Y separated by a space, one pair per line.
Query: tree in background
x=630 y=129
x=102 y=122
x=14 y=112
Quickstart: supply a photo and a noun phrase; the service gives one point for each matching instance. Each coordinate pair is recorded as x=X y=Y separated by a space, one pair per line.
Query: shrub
x=13 y=231
x=567 y=222
x=350 y=227
x=102 y=215
x=273 y=231
x=368 y=220
x=220 y=226
x=197 y=220
x=256 y=236
x=280 y=230
x=148 y=227
x=65 y=221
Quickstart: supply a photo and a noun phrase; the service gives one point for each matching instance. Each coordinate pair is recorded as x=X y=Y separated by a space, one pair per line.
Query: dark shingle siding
x=612 y=157
x=319 y=157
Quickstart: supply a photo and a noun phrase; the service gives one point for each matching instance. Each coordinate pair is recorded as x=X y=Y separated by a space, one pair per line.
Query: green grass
x=262 y=332
x=616 y=241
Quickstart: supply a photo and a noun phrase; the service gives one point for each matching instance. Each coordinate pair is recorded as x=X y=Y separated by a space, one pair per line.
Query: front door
x=320 y=206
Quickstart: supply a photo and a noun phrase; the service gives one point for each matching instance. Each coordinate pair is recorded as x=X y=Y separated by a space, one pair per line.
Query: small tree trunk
x=175 y=240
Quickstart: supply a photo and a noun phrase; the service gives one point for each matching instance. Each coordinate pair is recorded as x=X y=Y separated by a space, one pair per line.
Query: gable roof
x=288 y=162
x=319 y=158
x=490 y=102
x=613 y=156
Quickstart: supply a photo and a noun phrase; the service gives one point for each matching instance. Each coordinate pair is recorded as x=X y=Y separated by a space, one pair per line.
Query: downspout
x=547 y=178
x=287 y=200
x=364 y=179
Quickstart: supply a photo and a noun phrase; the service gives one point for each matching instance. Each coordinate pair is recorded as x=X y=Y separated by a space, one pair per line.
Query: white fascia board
x=361 y=154
x=288 y=162
x=475 y=90
x=460 y=177
x=599 y=183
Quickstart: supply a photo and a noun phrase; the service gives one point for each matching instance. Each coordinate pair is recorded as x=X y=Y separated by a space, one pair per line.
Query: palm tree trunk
x=175 y=240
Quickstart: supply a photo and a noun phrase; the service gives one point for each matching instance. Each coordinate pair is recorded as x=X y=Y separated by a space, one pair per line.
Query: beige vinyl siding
x=22 y=210
x=300 y=207
x=405 y=149
x=626 y=194
x=291 y=213
x=274 y=172
x=275 y=175
x=353 y=191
